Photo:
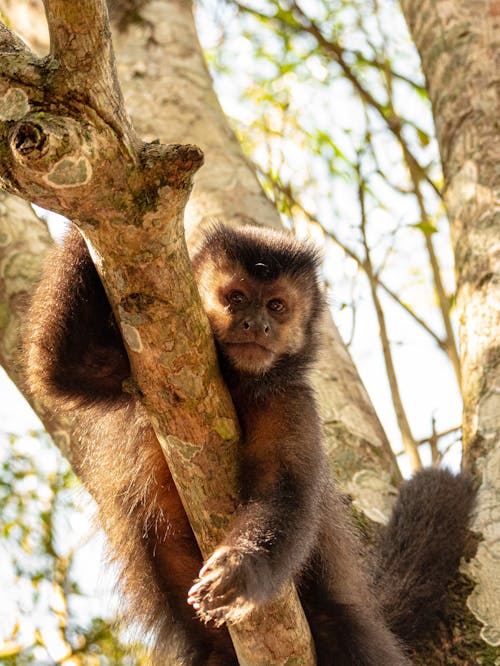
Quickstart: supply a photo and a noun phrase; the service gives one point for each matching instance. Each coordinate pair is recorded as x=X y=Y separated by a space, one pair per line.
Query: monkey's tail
x=420 y=549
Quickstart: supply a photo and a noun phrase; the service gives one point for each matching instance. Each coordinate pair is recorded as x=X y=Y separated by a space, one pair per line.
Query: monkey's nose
x=249 y=324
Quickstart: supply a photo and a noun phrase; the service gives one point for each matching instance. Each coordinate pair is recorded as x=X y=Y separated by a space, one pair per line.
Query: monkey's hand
x=228 y=586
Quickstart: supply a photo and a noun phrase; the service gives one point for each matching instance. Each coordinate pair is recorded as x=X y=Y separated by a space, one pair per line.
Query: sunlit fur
x=286 y=334
x=291 y=522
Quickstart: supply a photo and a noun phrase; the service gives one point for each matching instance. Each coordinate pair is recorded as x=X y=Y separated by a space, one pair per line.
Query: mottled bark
x=66 y=145
x=22 y=241
x=458 y=44
x=23 y=244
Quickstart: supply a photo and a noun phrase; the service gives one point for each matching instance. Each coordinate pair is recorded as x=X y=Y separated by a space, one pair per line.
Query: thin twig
x=409 y=443
x=427 y=440
x=337 y=53
x=444 y=303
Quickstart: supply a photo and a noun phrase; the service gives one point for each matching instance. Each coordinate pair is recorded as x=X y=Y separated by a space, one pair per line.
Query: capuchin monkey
x=261 y=292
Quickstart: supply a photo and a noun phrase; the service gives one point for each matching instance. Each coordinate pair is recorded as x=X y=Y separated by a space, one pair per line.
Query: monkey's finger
x=220 y=600
x=231 y=614
x=216 y=615
x=217 y=560
x=202 y=587
x=213 y=596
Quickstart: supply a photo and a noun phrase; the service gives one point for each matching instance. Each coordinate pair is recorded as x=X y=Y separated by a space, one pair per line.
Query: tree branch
x=443 y=300
x=80 y=44
x=10 y=43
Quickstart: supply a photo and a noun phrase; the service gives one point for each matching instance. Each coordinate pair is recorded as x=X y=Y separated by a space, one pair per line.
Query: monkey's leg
x=150 y=539
x=345 y=618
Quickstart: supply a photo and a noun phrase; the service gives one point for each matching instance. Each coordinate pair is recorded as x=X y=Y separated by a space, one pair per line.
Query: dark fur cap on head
x=265 y=254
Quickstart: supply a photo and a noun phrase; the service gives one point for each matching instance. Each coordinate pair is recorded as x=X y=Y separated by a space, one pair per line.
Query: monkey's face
x=255 y=322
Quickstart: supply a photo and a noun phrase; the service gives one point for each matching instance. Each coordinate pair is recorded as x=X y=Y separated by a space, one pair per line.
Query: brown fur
x=262 y=296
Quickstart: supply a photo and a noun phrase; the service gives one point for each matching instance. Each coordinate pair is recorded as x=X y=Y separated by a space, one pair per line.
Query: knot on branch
x=51 y=147
x=172 y=164
x=188 y=157
x=41 y=140
x=29 y=140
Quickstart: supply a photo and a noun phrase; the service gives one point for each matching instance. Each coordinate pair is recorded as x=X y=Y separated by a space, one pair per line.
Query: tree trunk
x=458 y=44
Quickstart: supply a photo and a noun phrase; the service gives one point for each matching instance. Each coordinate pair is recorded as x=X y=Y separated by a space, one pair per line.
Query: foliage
x=46 y=616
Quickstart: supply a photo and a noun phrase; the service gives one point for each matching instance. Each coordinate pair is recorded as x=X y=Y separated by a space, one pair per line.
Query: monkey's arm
x=74 y=353
x=272 y=533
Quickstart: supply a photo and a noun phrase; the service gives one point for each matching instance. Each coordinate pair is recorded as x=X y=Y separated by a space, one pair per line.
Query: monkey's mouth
x=250 y=357
x=253 y=346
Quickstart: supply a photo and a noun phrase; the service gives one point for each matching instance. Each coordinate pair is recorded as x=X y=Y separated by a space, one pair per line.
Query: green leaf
x=423 y=137
x=426 y=226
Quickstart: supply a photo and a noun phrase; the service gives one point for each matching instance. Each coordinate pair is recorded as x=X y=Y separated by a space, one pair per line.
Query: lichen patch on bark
x=70 y=172
x=14 y=105
x=373 y=494
x=132 y=338
x=225 y=428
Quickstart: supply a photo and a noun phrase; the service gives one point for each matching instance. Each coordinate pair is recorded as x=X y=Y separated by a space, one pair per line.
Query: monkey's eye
x=236 y=297
x=276 y=305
